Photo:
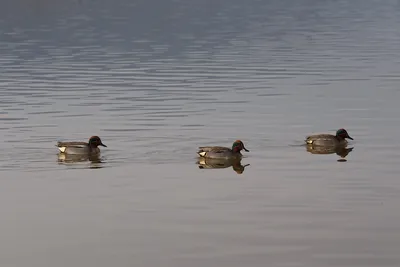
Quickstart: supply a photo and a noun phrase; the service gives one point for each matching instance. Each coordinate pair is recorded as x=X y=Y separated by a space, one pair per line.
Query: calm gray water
x=155 y=80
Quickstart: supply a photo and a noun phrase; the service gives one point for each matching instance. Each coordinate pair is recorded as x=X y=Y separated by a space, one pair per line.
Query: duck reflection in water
x=74 y=158
x=207 y=163
x=341 y=151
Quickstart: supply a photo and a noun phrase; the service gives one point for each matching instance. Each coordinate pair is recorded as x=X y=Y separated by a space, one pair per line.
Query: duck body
x=81 y=148
x=329 y=139
x=217 y=152
x=220 y=152
x=325 y=140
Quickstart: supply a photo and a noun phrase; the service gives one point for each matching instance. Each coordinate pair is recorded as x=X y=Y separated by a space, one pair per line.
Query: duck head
x=238 y=146
x=95 y=141
x=342 y=133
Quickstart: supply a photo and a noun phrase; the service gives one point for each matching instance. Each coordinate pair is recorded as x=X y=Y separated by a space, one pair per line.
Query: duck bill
x=102 y=145
x=246 y=149
x=350 y=137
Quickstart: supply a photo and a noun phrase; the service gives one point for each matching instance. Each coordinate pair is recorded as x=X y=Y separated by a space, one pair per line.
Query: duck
x=220 y=152
x=81 y=148
x=329 y=139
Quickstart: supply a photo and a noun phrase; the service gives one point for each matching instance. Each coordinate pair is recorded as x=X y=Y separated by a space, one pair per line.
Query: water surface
x=157 y=79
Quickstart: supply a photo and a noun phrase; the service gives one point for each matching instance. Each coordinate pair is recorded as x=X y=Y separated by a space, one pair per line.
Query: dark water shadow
x=205 y=163
x=341 y=151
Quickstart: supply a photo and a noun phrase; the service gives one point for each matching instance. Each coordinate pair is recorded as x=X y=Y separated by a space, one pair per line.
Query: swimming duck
x=89 y=148
x=218 y=152
x=328 y=139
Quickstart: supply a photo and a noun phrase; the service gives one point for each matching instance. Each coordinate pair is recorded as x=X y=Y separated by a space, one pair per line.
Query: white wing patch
x=62 y=148
x=202 y=153
x=309 y=141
